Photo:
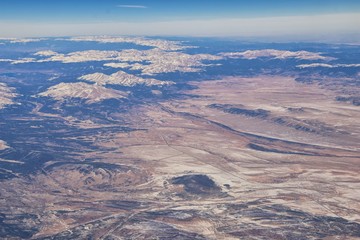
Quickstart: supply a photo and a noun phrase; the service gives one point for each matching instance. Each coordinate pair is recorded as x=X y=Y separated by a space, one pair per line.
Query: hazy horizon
x=325 y=21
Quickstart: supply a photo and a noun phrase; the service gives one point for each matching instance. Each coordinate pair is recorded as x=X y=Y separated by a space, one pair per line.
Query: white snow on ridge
x=73 y=57
x=6 y=60
x=26 y=40
x=324 y=65
x=156 y=43
x=118 y=65
x=277 y=54
x=23 y=60
x=164 y=61
x=91 y=92
x=164 y=57
x=6 y=95
x=158 y=61
x=122 y=78
x=83 y=56
x=46 y=53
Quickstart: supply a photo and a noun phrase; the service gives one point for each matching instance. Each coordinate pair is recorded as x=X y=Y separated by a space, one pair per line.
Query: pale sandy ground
x=312 y=172
x=3 y=145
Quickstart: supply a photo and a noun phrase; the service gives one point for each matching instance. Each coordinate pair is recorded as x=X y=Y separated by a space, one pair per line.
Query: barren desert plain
x=252 y=158
x=145 y=138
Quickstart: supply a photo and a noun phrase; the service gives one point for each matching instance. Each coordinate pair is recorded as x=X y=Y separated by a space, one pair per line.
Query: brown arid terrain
x=237 y=158
x=2 y=145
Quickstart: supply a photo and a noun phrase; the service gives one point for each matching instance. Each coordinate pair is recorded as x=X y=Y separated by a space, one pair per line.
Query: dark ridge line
x=263 y=149
x=245 y=134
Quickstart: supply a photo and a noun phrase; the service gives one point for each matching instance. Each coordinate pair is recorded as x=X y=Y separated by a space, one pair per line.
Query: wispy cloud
x=131 y=6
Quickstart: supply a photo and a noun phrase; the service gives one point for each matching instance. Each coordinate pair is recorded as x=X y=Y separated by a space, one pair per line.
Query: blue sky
x=42 y=13
x=158 y=10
